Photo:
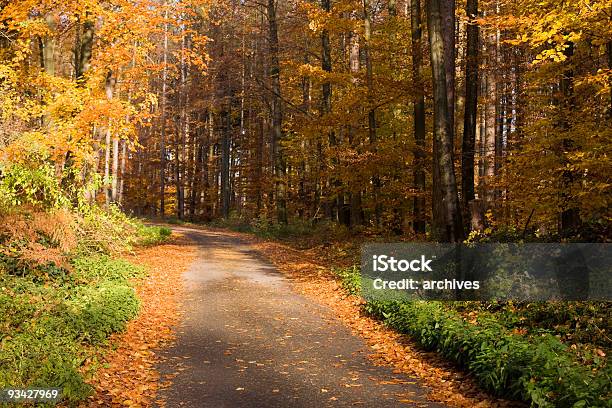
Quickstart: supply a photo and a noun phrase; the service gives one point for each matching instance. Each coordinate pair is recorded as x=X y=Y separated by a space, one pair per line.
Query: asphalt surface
x=247 y=340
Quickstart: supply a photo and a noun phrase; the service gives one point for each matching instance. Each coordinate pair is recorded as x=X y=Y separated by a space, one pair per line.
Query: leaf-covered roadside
x=126 y=376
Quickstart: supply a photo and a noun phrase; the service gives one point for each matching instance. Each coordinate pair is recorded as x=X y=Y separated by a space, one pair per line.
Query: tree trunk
x=450 y=227
x=419 y=118
x=107 y=158
x=447 y=11
x=570 y=214
x=110 y=193
x=225 y=160
x=326 y=108
x=48 y=46
x=471 y=106
x=490 y=131
x=115 y=179
x=609 y=47
x=277 y=117
x=123 y=163
x=372 y=131
x=355 y=189
x=162 y=171
x=84 y=50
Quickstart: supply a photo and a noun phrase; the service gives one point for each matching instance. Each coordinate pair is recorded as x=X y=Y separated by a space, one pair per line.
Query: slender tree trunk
x=123 y=164
x=114 y=184
x=84 y=50
x=326 y=65
x=306 y=99
x=419 y=117
x=225 y=160
x=277 y=117
x=447 y=10
x=490 y=131
x=162 y=171
x=355 y=189
x=471 y=107
x=449 y=227
x=183 y=131
x=570 y=214
x=110 y=192
x=609 y=47
x=107 y=158
x=372 y=131
x=48 y=46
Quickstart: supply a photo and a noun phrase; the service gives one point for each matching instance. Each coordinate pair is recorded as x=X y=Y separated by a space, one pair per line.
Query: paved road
x=247 y=340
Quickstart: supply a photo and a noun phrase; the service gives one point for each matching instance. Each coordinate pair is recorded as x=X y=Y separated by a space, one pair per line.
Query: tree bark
x=372 y=131
x=48 y=46
x=84 y=50
x=277 y=116
x=162 y=171
x=419 y=118
x=356 y=210
x=447 y=10
x=609 y=49
x=114 y=183
x=450 y=227
x=225 y=161
x=471 y=106
x=110 y=193
x=123 y=164
x=490 y=127
x=326 y=108
x=570 y=214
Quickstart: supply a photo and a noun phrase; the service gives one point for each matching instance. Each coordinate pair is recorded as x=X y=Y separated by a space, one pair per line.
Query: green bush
x=349 y=279
x=46 y=324
x=92 y=269
x=152 y=235
x=35 y=186
x=97 y=312
x=110 y=231
x=48 y=360
x=538 y=370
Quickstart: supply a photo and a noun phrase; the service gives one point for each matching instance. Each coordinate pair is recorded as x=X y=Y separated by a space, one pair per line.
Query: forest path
x=247 y=340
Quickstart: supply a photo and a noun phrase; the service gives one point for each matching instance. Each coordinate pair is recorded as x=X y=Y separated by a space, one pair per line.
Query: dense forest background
x=410 y=117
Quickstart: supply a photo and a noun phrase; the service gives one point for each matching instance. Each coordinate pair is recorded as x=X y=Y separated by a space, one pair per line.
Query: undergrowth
x=320 y=231
x=63 y=287
x=47 y=325
x=536 y=367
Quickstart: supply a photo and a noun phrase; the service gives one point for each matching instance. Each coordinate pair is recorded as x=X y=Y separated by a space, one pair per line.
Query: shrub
x=152 y=235
x=34 y=186
x=110 y=231
x=92 y=269
x=96 y=312
x=31 y=240
x=538 y=370
x=32 y=360
x=47 y=322
x=349 y=279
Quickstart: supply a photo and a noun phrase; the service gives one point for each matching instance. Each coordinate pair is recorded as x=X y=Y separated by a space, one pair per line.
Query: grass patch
x=152 y=235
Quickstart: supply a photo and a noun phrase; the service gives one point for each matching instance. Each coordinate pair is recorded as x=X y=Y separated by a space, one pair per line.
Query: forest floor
x=265 y=324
